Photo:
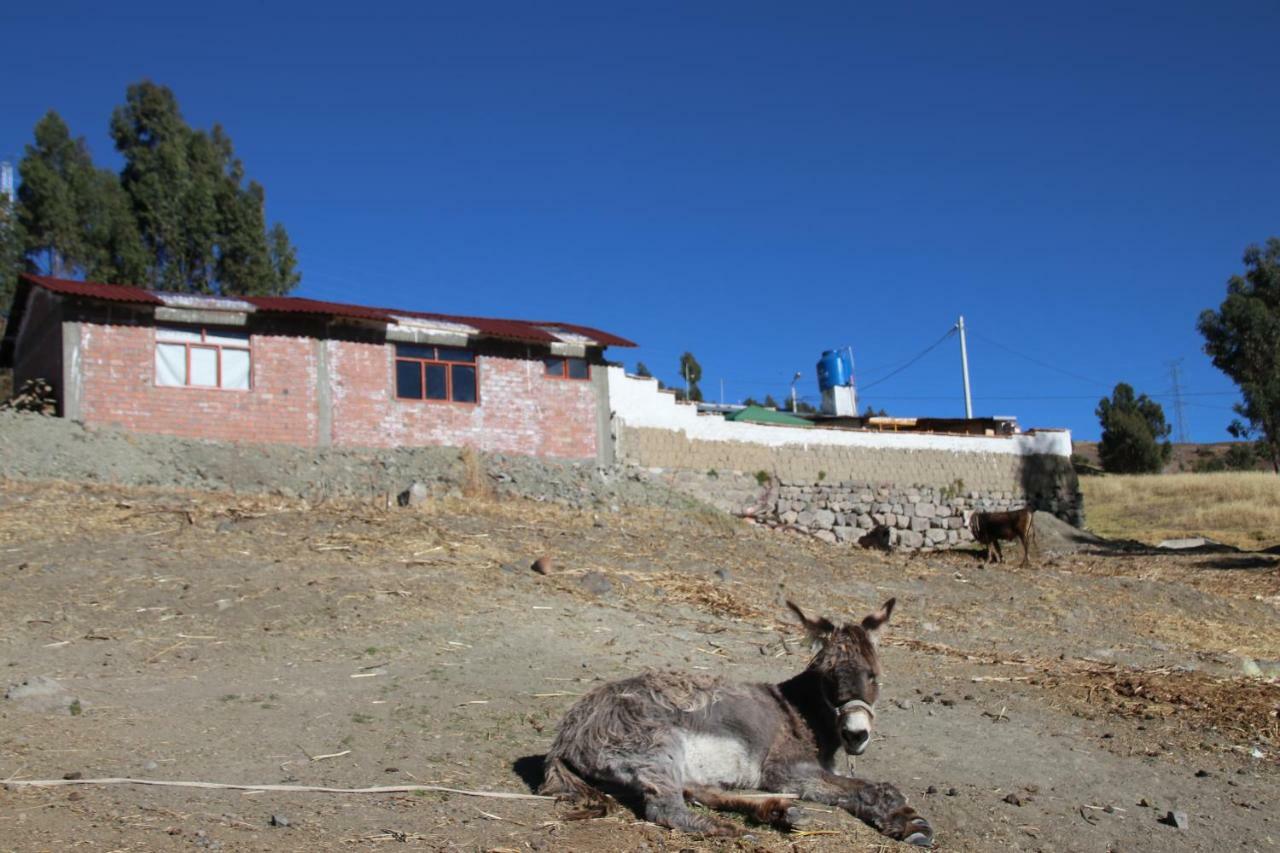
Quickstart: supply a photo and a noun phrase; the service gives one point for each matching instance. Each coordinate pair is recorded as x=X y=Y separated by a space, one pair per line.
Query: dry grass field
x=1238 y=508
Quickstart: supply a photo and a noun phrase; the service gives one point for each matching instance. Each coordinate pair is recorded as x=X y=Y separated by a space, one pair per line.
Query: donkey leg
x=877 y=803
x=667 y=808
x=778 y=812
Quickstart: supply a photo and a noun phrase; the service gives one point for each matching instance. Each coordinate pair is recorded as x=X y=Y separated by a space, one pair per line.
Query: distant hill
x=1185 y=456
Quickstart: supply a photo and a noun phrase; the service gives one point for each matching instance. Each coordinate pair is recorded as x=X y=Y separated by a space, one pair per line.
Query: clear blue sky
x=752 y=181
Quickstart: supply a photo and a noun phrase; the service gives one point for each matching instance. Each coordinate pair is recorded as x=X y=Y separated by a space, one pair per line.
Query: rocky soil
x=318 y=638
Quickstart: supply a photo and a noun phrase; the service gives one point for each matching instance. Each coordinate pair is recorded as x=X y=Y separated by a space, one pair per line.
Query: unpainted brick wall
x=119 y=389
x=520 y=411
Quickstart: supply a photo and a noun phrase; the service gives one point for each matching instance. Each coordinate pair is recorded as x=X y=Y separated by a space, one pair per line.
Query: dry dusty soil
x=213 y=637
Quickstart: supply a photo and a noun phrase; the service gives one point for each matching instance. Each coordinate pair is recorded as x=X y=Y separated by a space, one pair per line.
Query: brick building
x=288 y=370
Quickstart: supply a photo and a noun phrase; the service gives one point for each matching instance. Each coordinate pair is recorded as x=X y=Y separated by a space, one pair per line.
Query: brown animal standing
x=988 y=528
x=666 y=737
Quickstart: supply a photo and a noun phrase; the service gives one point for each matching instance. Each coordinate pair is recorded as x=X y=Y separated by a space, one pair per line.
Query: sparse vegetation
x=1238 y=508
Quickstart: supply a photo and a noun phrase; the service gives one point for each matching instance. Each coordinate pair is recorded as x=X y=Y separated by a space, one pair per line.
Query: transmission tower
x=1179 y=415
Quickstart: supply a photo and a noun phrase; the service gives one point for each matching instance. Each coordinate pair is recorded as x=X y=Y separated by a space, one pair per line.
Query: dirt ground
x=208 y=636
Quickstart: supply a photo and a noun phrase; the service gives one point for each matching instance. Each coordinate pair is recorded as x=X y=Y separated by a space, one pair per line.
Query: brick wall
x=118 y=382
x=520 y=410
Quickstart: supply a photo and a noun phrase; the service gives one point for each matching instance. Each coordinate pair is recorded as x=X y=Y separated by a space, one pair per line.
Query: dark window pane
x=555 y=365
x=464 y=384
x=409 y=379
x=436 y=388
x=448 y=354
x=578 y=369
x=415 y=351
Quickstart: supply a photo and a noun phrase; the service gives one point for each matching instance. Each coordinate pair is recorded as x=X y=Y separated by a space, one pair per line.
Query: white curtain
x=171 y=364
x=235 y=369
x=204 y=367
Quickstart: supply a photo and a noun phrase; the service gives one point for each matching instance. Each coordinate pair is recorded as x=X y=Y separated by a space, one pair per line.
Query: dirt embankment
x=188 y=634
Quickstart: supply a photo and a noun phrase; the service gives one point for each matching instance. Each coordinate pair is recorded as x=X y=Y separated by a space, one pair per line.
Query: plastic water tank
x=835 y=370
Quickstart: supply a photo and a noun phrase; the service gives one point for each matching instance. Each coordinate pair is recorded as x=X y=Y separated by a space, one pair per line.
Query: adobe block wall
x=520 y=410
x=915 y=482
x=118 y=388
x=38 y=354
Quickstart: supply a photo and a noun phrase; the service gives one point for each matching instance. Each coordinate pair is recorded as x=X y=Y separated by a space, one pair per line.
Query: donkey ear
x=818 y=629
x=871 y=624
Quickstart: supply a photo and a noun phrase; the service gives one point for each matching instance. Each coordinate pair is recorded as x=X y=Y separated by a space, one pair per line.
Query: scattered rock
x=1176 y=819
x=596 y=583
x=904 y=704
x=44 y=695
x=951 y=792
x=1013 y=800
x=414 y=495
x=723 y=574
x=542 y=565
x=74 y=774
x=932 y=789
x=1201 y=774
x=279 y=820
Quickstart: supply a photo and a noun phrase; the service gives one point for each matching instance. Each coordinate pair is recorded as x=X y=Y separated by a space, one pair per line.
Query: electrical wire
x=910 y=362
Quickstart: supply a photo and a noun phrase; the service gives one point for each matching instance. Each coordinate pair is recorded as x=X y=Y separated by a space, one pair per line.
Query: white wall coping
x=636 y=402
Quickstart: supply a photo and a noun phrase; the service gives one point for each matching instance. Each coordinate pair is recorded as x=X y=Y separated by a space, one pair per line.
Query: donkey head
x=848 y=669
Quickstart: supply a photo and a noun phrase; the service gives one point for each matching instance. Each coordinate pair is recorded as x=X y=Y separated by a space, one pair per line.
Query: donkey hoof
x=919 y=833
x=793 y=818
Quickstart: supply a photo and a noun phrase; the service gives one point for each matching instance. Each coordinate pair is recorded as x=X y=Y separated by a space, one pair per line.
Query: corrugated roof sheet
x=299 y=305
x=518 y=330
x=95 y=289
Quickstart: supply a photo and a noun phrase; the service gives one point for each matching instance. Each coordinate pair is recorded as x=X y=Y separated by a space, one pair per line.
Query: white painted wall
x=637 y=402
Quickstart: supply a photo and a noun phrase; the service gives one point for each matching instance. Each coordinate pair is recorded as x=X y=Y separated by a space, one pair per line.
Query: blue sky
x=755 y=182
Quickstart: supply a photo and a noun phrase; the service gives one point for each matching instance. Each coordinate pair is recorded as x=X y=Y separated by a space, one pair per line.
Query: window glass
x=171 y=364
x=409 y=379
x=176 y=333
x=204 y=366
x=235 y=369
x=415 y=351
x=450 y=354
x=437 y=387
x=464 y=383
x=578 y=369
x=227 y=337
x=555 y=365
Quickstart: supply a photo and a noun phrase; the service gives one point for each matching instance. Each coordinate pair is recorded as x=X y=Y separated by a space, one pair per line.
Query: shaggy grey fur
x=664 y=737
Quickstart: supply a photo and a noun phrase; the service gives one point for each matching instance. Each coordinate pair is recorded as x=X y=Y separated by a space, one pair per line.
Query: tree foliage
x=73 y=216
x=1132 y=428
x=691 y=373
x=204 y=227
x=642 y=371
x=181 y=215
x=1243 y=339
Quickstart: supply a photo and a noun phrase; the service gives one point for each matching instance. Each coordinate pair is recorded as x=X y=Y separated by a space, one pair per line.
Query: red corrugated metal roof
x=95 y=289
x=298 y=305
x=520 y=330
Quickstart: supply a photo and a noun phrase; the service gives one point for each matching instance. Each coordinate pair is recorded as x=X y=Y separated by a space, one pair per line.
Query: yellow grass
x=1239 y=508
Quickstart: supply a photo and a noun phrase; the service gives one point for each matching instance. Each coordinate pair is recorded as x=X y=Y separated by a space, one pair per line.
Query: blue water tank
x=835 y=369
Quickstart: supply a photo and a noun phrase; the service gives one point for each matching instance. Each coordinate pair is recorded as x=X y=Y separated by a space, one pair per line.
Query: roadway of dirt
x=201 y=636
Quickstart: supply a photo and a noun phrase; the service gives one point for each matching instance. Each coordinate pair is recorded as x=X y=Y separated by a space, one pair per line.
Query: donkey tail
x=561 y=781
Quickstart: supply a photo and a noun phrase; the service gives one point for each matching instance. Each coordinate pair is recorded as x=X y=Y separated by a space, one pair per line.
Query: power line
x=910 y=362
x=1037 y=361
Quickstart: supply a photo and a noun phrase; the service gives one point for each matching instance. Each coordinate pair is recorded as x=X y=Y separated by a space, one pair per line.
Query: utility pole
x=722 y=392
x=1178 y=414
x=794 y=380
x=964 y=368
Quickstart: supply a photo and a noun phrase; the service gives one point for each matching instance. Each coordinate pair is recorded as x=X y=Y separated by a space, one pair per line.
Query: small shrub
x=763 y=477
x=822 y=475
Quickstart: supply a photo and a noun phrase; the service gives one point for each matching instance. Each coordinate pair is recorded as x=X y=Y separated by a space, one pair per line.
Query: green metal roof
x=761 y=415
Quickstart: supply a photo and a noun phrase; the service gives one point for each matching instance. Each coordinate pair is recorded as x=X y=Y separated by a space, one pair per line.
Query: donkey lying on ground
x=664 y=737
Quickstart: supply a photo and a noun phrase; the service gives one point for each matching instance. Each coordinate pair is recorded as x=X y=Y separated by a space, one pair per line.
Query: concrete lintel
x=439 y=337
x=568 y=349
x=194 y=315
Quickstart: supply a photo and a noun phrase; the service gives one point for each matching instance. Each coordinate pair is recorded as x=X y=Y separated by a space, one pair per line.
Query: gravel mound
x=35 y=447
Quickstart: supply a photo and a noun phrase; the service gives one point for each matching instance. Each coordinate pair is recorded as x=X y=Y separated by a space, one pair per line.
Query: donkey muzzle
x=855 y=717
